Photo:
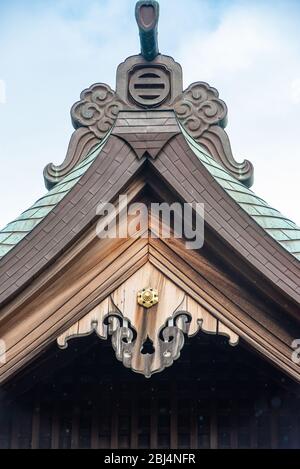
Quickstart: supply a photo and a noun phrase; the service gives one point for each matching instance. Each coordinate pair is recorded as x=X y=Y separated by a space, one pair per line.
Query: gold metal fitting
x=147 y=297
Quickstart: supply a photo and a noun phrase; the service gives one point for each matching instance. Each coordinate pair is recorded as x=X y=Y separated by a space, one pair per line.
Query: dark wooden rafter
x=213 y=411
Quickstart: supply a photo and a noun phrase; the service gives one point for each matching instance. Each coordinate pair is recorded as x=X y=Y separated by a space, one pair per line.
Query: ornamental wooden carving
x=93 y=117
x=147 y=340
x=81 y=143
x=204 y=116
x=144 y=82
x=199 y=107
x=97 y=110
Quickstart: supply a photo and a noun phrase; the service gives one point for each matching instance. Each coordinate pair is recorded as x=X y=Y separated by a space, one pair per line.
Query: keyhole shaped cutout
x=148 y=348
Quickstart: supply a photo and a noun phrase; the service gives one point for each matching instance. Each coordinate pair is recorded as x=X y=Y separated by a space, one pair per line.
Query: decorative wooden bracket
x=93 y=117
x=204 y=116
x=147 y=340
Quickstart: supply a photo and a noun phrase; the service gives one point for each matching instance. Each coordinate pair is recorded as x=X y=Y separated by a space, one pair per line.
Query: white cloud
x=251 y=57
x=2 y=92
x=48 y=58
x=295 y=91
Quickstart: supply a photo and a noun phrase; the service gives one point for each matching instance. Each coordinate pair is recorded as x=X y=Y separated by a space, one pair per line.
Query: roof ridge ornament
x=147 y=16
x=150 y=81
x=204 y=117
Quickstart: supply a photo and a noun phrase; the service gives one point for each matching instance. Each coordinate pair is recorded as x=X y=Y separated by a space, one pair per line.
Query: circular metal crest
x=149 y=86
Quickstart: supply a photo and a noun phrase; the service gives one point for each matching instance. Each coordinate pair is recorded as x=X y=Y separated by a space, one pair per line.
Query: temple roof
x=18 y=229
x=149 y=134
x=283 y=230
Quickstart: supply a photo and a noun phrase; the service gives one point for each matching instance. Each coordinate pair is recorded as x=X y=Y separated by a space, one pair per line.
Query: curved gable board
x=32 y=317
x=92 y=269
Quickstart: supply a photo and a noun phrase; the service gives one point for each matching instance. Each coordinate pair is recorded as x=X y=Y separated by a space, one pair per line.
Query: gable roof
x=280 y=228
x=60 y=244
x=18 y=229
x=107 y=171
x=103 y=179
x=283 y=230
x=55 y=268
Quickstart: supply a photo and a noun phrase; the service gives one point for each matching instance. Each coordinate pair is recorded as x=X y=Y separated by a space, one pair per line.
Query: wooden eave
x=107 y=176
x=178 y=167
x=60 y=271
x=91 y=269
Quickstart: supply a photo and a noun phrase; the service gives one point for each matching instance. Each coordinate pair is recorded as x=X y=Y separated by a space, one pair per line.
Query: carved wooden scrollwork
x=199 y=107
x=97 y=109
x=93 y=116
x=81 y=143
x=148 y=340
x=204 y=116
x=215 y=140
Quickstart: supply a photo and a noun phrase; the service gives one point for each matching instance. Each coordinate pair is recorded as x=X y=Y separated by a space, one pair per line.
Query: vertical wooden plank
x=6 y=410
x=134 y=418
x=274 y=429
x=95 y=425
x=234 y=426
x=294 y=418
x=55 y=427
x=15 y=428
x=114 y=440
x=194 y=423
x=154 y=420
x=75 y=427
x=174 y=417
x=35 y=432
x=253 y=432
x=213 y=426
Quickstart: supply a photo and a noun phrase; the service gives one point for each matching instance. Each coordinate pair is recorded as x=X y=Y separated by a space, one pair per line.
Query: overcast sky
x=51 y=50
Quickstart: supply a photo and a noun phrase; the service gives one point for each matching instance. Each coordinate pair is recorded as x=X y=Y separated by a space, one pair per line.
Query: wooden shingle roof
x=280 y=228
x=18 y=229
x=283 y=230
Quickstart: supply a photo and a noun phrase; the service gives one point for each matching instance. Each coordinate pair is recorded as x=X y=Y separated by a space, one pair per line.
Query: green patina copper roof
x=273 y=222
x=283 y=230
x=24 y=224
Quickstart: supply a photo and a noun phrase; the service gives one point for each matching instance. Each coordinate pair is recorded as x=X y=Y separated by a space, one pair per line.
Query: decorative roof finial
x=150 y=81
x=147 y=15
